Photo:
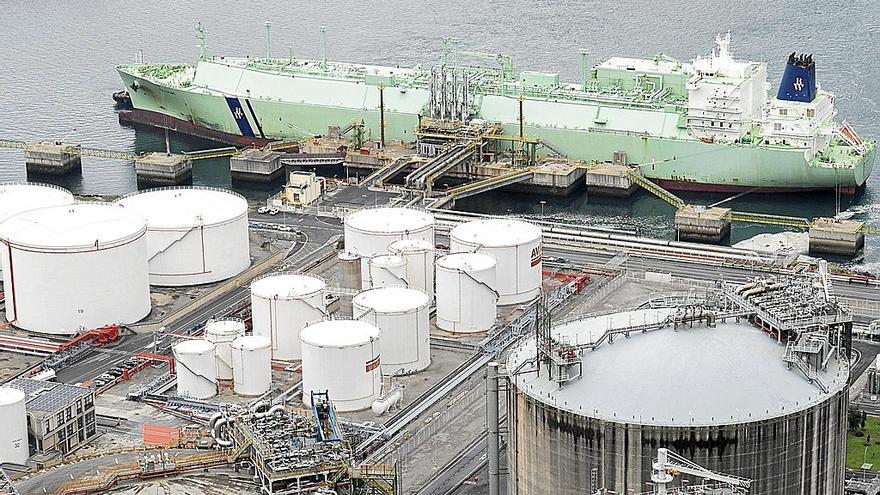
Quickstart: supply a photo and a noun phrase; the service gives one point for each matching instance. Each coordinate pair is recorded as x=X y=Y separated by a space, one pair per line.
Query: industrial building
x=751 y=380
x=303 y=188
x=60 y=417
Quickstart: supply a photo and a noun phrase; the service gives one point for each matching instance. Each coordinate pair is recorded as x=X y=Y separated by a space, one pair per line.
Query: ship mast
x=323 y=47
x=268 y=40
x=200 y=34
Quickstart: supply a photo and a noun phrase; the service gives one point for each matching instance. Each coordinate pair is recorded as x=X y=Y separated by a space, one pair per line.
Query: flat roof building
x=60 y=417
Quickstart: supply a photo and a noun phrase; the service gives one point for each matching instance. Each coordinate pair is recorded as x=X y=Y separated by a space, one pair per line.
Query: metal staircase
x=654 y=188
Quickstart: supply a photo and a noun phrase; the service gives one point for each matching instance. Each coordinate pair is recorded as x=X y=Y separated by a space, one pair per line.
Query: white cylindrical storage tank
x=370 y=231
x=350 y=270
x=19 y=197
x=516 y=246
x=384 y=270
x=196 y=369
x=342 y=357
x=419 y=255
x=14 y=434
x=221 y=333
x=403 y=317
x=282 y=304
x=466 y=297
x=195 y=235
x=252 y=365
x=75 y=267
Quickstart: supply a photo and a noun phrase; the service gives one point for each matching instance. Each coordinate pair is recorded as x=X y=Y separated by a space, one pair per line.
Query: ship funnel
x=799 y=80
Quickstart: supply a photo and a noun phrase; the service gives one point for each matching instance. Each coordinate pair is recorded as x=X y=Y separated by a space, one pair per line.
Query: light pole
x=542 y=207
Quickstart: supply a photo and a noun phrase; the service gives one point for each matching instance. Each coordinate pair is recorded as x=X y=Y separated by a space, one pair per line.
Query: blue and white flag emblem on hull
x=240 y=116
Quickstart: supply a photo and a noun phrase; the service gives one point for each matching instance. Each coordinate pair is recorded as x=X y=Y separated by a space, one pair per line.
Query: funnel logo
x=798 y=84
x=372 y=364
x=537 y=253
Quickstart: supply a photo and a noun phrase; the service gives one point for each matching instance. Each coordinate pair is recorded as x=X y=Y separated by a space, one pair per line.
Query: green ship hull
x=265 y=101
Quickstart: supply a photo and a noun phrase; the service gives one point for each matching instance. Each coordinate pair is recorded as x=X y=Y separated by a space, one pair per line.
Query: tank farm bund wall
x=555 y=451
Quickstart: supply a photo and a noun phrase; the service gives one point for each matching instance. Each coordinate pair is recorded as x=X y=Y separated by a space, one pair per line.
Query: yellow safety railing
x=764 y=219
x=654 y=189
x=456 y=191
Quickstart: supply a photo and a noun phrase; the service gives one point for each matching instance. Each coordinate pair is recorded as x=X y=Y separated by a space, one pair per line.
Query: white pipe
x=213 y=420
x=215 y=433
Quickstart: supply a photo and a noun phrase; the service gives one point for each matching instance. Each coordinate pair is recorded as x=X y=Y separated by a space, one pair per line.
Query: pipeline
x=272 y=410
x=213 y=419
x=215 y=433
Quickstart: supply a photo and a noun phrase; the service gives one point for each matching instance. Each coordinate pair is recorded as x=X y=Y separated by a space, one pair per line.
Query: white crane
x=668 y=462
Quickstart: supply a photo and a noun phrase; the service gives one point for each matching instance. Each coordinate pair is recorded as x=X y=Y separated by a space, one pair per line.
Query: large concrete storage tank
x=19 y=197
x=402 y=316
x=221 y=333
x=384 y=270
x=252 y=365
x=282 y=304
x=196 y=235
x=75 y=267
x=342 y=356
x=722 y=397
x=419 y=255
x=466 y=295
x=515 y=245
x=196 y=369
x=370 y=231
x=13 y=435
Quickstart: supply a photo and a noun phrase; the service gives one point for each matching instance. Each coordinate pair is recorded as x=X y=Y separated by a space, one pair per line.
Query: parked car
x=555 y=259
x=273 y=211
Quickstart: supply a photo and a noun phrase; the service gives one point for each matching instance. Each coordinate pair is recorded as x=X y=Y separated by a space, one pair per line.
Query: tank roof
x=287 y=286
x=386 y=220
x=387 y=260
x=496 y=232
x=9 y=395
x=470 y=262
x=17 y=197
x=224 y=327
x=73 y=227
x=405 y=245
x=175 y=207
x=251 y=342
x=391 y=299
x=194 y=346
x=339 y=333
x=733 y=373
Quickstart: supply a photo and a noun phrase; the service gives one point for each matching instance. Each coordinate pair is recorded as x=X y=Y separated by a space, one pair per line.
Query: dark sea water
x=57 y=58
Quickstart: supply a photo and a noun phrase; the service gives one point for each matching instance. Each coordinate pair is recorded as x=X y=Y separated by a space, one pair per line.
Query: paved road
x=469 y=461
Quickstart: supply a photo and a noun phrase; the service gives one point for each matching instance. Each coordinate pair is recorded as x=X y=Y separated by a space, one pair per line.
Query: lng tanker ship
x=706 y=125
